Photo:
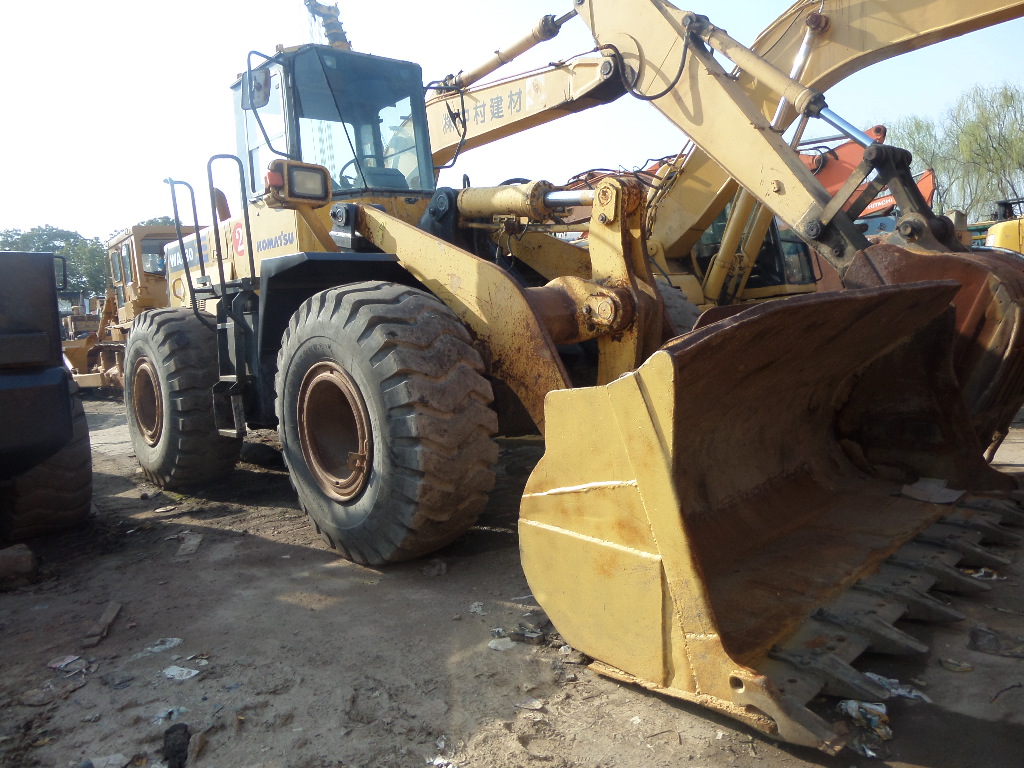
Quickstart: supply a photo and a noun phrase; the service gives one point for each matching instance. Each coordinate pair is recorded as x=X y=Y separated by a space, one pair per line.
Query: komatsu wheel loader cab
x=362 y=117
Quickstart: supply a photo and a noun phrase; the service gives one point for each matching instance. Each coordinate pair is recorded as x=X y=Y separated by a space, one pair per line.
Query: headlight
x=290 y=183
x=307 y=182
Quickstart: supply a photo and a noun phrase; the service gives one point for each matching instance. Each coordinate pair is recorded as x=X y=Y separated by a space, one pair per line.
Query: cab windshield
x=153 y=255
x=359 y=116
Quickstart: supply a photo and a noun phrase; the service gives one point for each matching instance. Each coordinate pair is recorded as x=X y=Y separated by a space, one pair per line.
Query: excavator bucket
x=726 y=524
x=988 y=350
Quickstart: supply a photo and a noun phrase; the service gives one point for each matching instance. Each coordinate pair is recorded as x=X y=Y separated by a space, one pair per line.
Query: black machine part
x=35 y=399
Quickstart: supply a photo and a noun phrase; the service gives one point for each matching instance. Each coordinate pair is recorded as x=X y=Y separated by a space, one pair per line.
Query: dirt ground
x=303 y=660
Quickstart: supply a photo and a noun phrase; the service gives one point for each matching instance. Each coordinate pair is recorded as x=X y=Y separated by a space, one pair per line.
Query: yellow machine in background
x=136 y=281
x=1006 y=229
x=720 y=516
x=82 y=319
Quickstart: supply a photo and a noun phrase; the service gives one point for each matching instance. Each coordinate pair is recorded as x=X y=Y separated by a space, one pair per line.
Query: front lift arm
x=518 y=349
x=519 y=328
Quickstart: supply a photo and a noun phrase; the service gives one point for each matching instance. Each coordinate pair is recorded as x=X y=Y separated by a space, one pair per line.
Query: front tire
x=680 y=313
x=385 y=421
x=170 y=367
x=54 y=494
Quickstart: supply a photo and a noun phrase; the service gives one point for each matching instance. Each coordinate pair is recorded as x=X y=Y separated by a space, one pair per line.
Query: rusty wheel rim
x=334 y=431
x=147 y=404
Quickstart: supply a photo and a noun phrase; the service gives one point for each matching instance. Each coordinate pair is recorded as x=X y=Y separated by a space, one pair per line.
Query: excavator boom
x=667 y=56
x=464 y=118
x=825 y=44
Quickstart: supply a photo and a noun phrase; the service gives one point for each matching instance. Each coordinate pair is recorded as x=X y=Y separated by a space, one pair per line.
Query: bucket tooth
x=814 y=635
x=882 y=636
x=921 y=606
x=995 y=501
x=987 y=524
x=1012 y=515
x=1009 y=506
x=896 y=576
x=798 y=684
x=835 y=676
x=964 y=542
x=940 y=564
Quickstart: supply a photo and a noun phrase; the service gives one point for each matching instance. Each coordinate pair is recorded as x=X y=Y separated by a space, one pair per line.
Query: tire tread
x=197 y=453
x=57 y=493
x=439 y=420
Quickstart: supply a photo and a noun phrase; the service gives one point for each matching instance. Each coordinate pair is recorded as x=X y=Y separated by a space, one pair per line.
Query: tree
x=927 y=142
x=990 y=132
x=976 y=148
x=158 y=221
x=86 y=256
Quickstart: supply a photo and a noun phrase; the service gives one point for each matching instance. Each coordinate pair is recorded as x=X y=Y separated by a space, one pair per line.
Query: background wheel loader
x=136 y=281
x=741 y=503
x=45 y=463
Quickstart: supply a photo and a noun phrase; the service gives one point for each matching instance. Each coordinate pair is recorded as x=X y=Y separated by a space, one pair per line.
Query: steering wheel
x=352 y=179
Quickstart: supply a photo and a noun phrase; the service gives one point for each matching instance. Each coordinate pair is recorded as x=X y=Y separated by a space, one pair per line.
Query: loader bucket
x=704 y=526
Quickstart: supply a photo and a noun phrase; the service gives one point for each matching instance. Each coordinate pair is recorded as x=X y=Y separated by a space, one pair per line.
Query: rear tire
x=55 y=494
x=385 y=421
x=170 y=367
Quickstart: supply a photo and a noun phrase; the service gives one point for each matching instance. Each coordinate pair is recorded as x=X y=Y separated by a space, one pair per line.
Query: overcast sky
x=107 y=98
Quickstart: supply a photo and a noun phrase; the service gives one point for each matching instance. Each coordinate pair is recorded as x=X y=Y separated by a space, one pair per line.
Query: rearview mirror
x=255 y=89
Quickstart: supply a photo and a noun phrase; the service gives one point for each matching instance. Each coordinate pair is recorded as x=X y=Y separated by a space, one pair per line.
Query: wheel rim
x=334 y=431
x=147 y=404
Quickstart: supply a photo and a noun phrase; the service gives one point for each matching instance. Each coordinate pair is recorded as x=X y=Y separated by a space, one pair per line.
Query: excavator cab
x=783 y=262
x=362 y=117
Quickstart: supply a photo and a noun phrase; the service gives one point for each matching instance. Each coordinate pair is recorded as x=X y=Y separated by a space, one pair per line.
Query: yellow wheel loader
x=136 y=281
x=730 y=516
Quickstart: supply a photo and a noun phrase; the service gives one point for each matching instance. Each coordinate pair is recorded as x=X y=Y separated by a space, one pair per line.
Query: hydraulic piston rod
x=547 y=28
x=537 y=200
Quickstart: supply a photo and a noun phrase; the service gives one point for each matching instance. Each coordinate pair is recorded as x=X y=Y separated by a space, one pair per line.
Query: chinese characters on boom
x=496 y=108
